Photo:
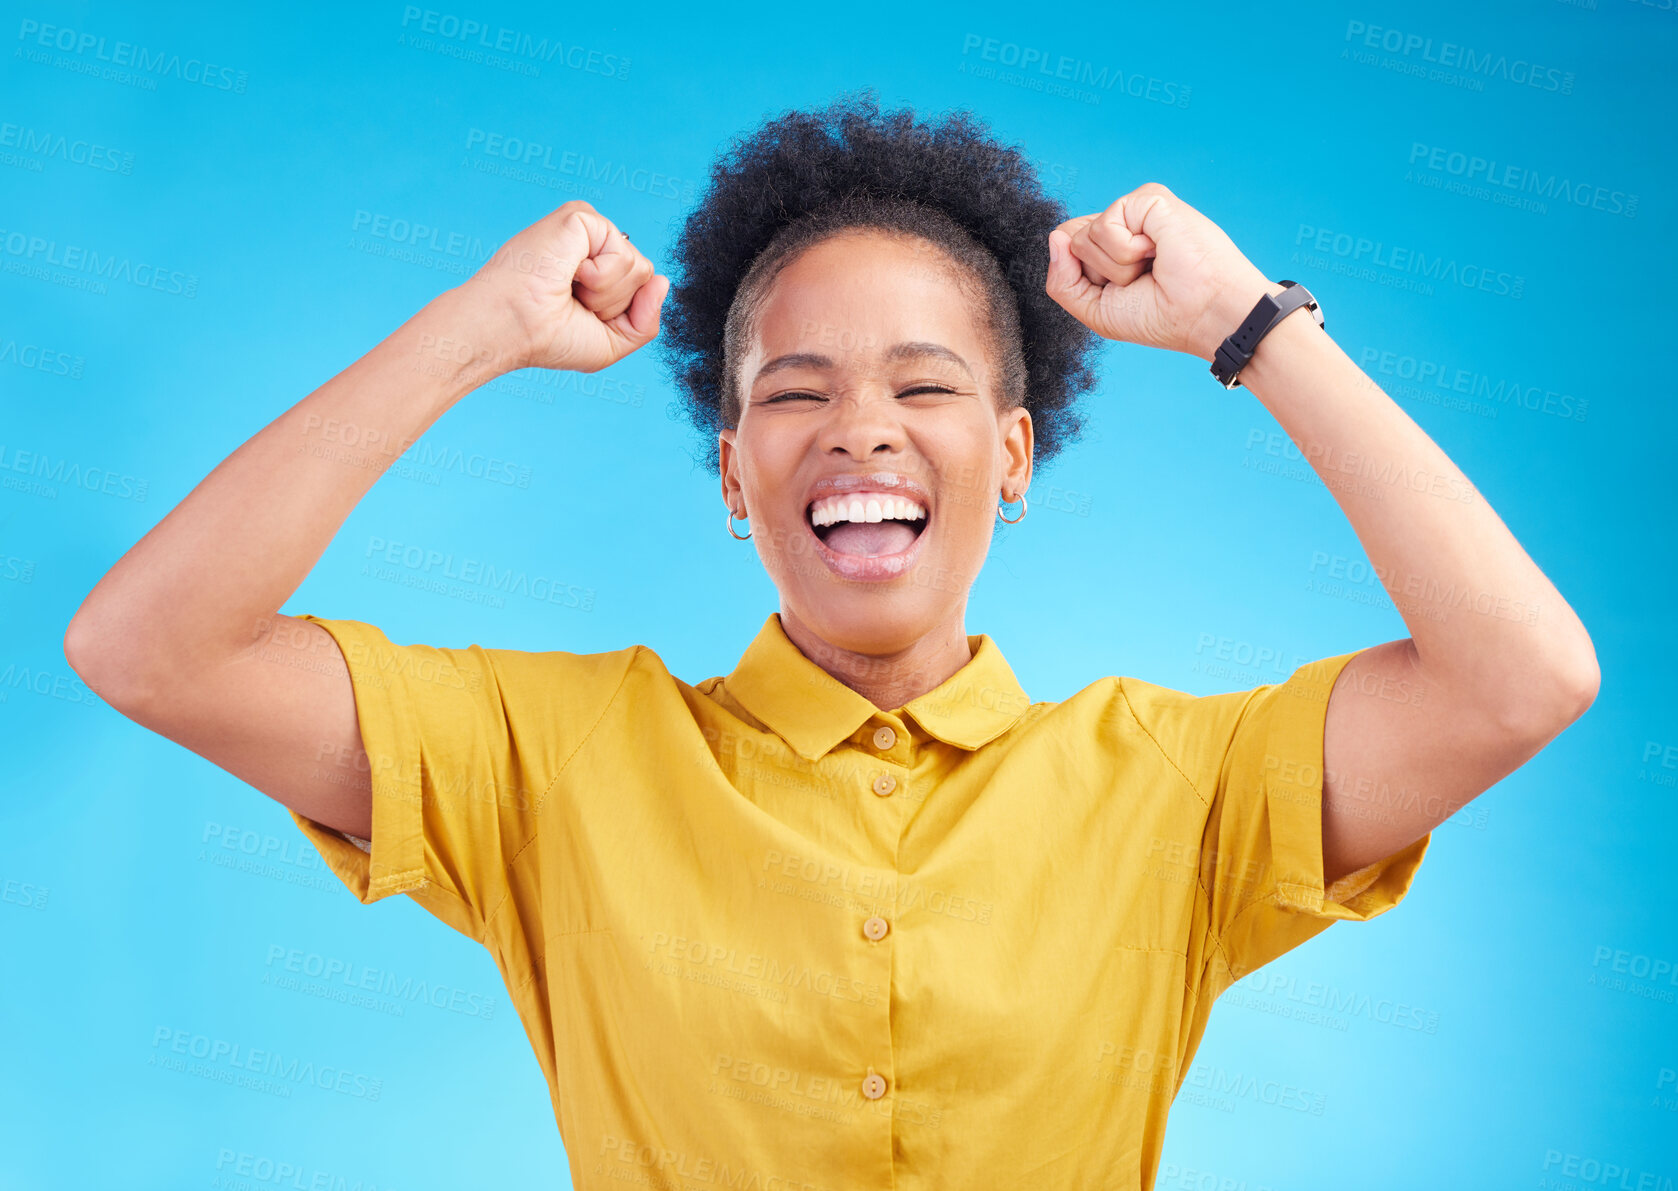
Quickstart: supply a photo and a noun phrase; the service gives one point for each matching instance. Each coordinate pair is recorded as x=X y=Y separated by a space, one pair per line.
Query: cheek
x=961 y=517
x=975 y=514
x=767 y=473
x=968 y=495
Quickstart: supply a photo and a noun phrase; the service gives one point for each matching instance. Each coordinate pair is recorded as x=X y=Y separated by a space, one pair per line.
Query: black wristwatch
x=1235 y=352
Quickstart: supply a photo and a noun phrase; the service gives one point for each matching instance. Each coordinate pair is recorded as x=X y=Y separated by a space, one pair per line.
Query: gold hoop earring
x=1013 y=520
x=729 y=520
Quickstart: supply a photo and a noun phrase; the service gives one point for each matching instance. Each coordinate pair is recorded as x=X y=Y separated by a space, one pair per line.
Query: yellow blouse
x=763 y=935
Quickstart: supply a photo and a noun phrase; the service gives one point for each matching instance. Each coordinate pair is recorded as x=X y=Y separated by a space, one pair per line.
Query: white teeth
x=873 y=507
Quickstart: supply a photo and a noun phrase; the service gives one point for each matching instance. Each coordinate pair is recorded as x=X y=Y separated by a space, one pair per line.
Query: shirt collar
x=813 y=711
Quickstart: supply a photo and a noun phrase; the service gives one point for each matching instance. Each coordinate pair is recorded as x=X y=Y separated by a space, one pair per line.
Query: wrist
x=1292 y=339
x=1230 y=307
x=469 y=338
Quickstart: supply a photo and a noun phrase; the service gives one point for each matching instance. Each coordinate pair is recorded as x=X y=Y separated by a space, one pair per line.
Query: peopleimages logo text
x=1453 y=56
x=31 y=249
x=1471 y=167
x=1413 y=261
x=136 y=57
x=502 y=40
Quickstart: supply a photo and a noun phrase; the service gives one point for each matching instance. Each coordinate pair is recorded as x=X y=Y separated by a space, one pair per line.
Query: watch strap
x=1237 y=350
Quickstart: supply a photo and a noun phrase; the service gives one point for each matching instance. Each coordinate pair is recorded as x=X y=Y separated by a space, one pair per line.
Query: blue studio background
x=1512 y=1024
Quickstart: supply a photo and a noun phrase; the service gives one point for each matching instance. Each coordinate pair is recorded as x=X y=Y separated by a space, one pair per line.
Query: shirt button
x=884 y=784
x=874 y=1086
x=884 y=738
x=875 y=928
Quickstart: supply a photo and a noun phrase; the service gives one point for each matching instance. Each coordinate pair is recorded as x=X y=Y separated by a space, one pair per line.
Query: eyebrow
x=910 y=349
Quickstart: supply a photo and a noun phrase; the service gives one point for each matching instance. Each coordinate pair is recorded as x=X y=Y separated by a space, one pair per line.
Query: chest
x=730 y=943
x=723 y=854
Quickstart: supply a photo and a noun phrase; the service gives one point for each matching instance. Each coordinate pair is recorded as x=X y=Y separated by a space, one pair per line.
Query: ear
x=1016 y=450
x=728 y=466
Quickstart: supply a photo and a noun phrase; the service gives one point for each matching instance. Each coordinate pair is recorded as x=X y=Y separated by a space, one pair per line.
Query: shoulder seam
x=634 y=656
x=1169 y=759
x=541 y=800
x=1211 y=932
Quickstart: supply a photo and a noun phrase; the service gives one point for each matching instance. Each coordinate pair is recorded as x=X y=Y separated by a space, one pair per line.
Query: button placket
x=890 y=748
x=885 y=739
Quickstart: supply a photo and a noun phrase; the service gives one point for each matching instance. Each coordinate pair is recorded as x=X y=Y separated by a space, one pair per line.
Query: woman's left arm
x=1497 y=663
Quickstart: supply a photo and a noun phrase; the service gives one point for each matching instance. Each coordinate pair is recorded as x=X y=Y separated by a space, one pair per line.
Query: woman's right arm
x=183 y=635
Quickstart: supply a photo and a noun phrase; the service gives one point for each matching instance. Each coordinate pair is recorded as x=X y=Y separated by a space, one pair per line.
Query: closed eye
x=814 y=397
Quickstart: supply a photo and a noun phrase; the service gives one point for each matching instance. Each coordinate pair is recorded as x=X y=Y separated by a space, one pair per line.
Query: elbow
x=90 y=649
x=81 y=650
x=78 y=650
x=1588 y=681
x=1585 y=683
x=1541 y=712
x=1578 y=681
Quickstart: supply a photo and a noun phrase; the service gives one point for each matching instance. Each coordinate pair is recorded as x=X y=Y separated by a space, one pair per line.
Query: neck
x=887 y=680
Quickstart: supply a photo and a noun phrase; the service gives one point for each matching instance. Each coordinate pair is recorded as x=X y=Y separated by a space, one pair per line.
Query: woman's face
x=868 y=361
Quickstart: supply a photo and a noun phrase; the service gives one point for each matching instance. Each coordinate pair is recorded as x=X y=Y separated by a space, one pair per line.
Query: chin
x=869 y=636
x=870 y=618
x=870 y=605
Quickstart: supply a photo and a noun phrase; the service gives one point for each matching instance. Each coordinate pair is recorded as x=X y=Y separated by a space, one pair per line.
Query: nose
x=861 y=424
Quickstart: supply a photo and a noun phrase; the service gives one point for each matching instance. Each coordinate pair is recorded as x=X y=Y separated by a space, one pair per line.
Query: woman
x=859 y=912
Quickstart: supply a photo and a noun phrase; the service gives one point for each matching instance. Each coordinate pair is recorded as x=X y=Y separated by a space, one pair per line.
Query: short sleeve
x=461 y=746
x=1253 y=762
x=1261 y=859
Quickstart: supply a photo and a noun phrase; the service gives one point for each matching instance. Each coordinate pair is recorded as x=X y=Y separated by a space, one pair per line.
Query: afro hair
x=807 y=175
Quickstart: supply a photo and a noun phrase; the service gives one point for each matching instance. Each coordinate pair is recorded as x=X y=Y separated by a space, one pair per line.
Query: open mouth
x=867 y=524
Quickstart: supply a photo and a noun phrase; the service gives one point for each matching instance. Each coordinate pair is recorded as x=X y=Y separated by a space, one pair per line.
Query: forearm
x=1483 y=618
x=205 y=580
